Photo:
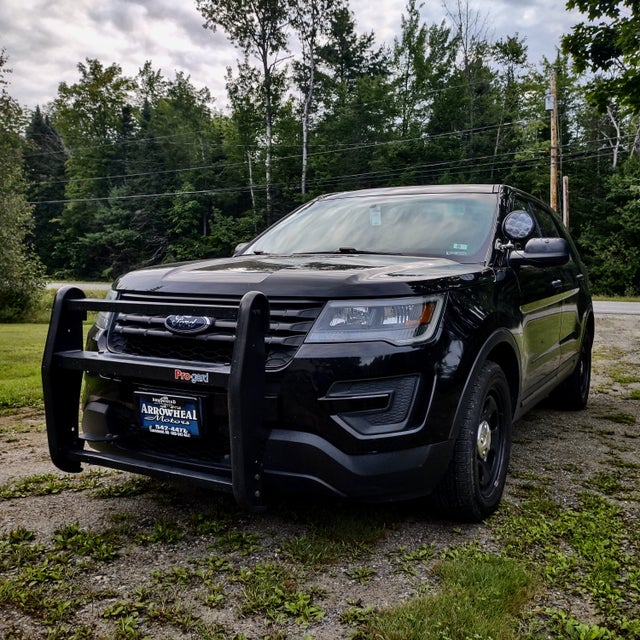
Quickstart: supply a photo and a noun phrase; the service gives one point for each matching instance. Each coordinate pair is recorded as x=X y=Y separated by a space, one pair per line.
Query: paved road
x=624 y=308
x=95 y=286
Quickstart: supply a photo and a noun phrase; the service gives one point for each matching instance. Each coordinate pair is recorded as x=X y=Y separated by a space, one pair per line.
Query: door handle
x=556 y=284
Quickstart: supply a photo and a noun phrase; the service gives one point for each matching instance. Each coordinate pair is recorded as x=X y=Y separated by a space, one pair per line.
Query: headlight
x=399 y=321
x=103 y=317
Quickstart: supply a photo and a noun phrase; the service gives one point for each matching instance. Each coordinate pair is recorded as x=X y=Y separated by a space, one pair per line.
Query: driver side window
x=546 y=226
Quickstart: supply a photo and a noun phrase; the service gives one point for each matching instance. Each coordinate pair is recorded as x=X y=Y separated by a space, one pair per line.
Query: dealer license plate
x=170 y=415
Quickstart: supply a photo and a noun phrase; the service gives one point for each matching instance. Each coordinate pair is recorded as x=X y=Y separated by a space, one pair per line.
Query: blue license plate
x=170 y=415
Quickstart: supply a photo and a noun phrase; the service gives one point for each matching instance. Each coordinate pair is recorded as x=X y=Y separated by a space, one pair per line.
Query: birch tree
x=310 y=20
x=259 y=29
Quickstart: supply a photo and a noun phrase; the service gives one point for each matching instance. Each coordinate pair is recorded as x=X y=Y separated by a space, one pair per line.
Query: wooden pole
x=553 y=186
x=565 y=201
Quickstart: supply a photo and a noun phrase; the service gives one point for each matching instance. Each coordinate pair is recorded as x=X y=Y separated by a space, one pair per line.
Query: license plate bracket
x=169 y=414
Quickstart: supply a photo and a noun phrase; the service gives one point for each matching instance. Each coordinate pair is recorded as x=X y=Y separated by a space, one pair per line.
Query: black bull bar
x=65 y=361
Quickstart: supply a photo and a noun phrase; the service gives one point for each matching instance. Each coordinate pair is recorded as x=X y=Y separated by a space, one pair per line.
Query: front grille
x=146 y=335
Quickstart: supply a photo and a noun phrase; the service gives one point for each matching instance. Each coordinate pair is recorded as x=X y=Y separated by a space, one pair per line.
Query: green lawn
x=21 y=347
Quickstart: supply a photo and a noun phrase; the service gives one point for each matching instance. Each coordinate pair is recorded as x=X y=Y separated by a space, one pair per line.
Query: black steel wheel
x=573 y=393
x=473 y=484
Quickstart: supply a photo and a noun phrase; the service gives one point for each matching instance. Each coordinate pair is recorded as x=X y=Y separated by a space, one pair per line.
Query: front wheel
x=472 y=487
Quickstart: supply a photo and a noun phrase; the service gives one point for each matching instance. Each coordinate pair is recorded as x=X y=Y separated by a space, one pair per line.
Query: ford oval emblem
x=187 y=324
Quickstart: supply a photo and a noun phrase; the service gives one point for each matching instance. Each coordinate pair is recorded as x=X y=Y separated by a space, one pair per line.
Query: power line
x=336 y=149
x=502 y=161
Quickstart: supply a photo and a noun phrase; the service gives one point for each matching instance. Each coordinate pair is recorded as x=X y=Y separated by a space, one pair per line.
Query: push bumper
x=65 y=361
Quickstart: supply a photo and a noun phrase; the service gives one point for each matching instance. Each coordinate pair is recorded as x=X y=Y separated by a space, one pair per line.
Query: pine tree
x=20 y=271
x=44 y=160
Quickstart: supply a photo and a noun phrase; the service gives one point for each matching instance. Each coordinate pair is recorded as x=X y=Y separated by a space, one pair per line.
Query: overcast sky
x=46 y=39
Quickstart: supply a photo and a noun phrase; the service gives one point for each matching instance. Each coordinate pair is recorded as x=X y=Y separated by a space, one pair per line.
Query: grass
x=334 y=533
x=581 y=550
x=617 y=298
x=246 y=576
x=47 y=484
x=272 y=589
x=21 y=349
x=461 y=592
x=479 y=596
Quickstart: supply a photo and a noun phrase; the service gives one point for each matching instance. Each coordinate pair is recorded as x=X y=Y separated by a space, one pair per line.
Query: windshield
x=455 y=226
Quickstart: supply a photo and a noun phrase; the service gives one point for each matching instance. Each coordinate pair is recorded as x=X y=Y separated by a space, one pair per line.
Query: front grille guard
x=65 y=361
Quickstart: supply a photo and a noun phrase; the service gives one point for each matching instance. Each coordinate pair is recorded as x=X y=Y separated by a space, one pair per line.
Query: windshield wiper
x=346 y=250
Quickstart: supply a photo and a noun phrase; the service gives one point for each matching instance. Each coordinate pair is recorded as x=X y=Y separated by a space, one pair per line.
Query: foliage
x=131 y=171
x=20 y=270
x=614 y=238
x=607 y=44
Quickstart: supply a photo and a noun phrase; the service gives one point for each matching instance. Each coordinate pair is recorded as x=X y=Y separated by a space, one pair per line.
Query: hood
x=308 y=276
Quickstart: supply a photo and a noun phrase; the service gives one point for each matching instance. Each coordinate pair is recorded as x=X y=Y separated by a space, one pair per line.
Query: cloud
x=46 y=39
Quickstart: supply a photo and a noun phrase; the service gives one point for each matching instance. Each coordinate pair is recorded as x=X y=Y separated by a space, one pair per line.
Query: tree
x=21 y=275
x=511 y=54
x=409 y=61
x=310 y=20
x=607 y=44
x=258 y=27
x=245 y=98
x=613 y=239
x=346 y=57
x=423 y=60
x=45 y=158
x=355 y=102
x=94 y=121
x=468 y=111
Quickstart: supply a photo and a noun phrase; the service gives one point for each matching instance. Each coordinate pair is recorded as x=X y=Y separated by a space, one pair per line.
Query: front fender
x=502 y=348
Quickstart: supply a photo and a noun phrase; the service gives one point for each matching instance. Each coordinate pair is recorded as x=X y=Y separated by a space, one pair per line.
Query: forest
x=118 y=172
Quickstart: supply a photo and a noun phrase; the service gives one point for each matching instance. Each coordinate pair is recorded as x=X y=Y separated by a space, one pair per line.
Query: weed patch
x=49 y=484
x=581 y=550
x=272 y=590
x=619 y=418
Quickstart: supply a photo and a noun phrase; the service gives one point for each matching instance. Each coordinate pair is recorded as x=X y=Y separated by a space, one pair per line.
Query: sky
x=45 y=40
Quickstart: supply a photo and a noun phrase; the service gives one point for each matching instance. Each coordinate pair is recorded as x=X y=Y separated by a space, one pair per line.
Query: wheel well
x=504 y=356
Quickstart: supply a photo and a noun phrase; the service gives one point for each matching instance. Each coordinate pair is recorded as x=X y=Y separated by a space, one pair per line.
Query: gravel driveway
x=172 y=535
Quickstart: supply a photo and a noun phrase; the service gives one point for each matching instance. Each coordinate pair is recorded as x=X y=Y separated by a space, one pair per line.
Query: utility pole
x=552 y=105
x=565 y=201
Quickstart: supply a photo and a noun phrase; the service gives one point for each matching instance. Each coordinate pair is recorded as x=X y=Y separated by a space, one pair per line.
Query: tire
x=472 y=486
x=573 y=393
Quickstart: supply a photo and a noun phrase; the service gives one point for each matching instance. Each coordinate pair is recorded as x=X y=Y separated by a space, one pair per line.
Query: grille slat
x=146 y=335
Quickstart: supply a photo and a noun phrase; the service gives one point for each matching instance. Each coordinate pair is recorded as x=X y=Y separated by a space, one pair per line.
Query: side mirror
x=240 y=248
x=542 y=252
x=518 y=225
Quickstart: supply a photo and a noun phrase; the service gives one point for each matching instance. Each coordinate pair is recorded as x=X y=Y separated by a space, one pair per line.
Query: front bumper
x=256 y=451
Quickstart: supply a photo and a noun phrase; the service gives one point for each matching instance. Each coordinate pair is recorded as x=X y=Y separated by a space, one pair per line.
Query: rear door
x=567 y=283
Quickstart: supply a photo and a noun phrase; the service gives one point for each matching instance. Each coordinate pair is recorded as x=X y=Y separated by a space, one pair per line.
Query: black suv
x=373 y=344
